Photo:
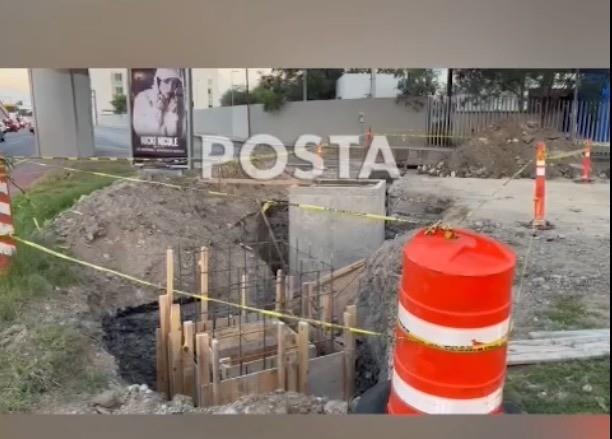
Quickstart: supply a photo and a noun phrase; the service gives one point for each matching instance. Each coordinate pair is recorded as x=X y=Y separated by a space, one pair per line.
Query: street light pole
x=94 y=104
x=248 y=102
x=305 y=85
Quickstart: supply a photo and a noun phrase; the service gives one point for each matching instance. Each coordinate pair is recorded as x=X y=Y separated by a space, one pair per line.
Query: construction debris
x=140 y=399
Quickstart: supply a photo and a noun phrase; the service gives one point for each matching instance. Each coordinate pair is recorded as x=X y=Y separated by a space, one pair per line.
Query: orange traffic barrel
x=453 y=322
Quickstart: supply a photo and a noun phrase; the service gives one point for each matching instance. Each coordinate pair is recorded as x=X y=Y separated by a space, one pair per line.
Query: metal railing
x=450 y=121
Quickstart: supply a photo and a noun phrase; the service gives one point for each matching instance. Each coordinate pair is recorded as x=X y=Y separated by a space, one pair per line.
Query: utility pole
x=248 y=103
x=305 y=85
x=449 y=104
x=575 y=107
x=373 y=83
x=94 y=106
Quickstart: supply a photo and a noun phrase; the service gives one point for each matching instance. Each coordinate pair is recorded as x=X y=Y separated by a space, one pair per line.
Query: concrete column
x=61 y=100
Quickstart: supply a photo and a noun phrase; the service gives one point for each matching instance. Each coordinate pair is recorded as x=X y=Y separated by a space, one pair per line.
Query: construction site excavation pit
x=248 y=276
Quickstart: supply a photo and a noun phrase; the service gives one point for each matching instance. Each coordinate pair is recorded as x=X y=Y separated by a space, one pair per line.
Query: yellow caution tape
x=118 y=177
x=476 y=347
x=346 y=212
x=207 y=298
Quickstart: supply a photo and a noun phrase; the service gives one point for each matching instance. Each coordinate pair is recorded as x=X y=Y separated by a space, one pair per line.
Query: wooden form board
x=326 y=376
x=317 y=302
x=232 y=389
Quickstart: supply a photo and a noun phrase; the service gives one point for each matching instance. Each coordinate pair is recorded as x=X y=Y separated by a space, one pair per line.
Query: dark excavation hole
x=275 y=227
x=129 y=335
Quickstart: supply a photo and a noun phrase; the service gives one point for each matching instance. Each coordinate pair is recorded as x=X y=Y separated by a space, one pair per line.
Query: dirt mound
x=128 y=227
x=139 y=399
x=382 y=274
x=502 y=149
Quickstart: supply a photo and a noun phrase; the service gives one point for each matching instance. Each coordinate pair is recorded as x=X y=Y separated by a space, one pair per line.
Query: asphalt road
x=109 y=142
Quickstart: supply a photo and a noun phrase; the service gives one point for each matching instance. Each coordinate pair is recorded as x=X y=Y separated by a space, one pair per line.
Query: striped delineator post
x=539 y=216
x=587 y=165
x=7 y=244
x=453 y=322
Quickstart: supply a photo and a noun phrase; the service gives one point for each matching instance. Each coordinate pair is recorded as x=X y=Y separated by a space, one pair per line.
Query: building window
x=210 y=97
x=118 y=90
x=117 y=77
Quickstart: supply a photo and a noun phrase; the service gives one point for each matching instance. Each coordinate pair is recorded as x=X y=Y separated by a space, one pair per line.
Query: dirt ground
x=562 y=276
x=128 y=226
x=503 y=148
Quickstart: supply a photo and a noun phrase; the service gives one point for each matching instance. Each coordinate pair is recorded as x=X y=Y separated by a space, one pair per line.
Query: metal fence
x=450 y=121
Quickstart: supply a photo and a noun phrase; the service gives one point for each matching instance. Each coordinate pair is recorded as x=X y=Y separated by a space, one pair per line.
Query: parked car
x=11 y=125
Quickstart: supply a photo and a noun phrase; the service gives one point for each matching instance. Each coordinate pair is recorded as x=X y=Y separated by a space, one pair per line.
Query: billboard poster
x=159 y=114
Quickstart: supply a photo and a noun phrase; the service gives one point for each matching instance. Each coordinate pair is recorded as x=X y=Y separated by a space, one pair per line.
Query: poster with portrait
x=159 y=114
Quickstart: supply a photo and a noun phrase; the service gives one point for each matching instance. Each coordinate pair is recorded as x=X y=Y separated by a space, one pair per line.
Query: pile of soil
x=128 y=227
x=502 y=149
x=139 y=399
x=550 y=281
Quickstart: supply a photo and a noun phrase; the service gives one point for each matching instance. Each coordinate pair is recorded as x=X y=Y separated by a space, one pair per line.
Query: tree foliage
x=416 y=82
x=286 y=85
x=496 y=82
x=119 y=103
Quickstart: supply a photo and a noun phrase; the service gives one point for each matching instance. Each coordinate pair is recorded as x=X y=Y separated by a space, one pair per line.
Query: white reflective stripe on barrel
x=541 y=163
x=436 y=405
x=447 y=336
x=3 y=188
x=7 y=249
x=6 y=229
x=540 y=172
x=5 y=208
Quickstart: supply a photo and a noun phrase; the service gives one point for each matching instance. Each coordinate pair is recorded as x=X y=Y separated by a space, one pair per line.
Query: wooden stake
x=303 y=357
x=175 y=318
x=161 y=360
x=243 y=297
x=350 y=320
x=174 y=361
x=280 y=357
x=292 y=373
x=215 y=371
x=203 y=263
x=307 y=293
x=164 y=329
x=187 y=359
x=280 y=291
x=290 y=291
x=170 y=273
x=203 y=376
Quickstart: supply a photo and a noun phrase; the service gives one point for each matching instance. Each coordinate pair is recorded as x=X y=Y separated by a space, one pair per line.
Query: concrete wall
x=114 y=120
x=324 y=118
x=359 y=85
x=225 y=121
x=335 y=238
x=313 y=117
x=62 y=110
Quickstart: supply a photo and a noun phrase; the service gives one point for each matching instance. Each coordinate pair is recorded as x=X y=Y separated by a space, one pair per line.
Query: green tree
x=416 y=82
x=119 y=103
x=286 y=85
x=236 y=96
x=480 y=83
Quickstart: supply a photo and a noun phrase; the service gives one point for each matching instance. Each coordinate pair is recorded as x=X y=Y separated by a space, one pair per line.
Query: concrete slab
x=335 y=239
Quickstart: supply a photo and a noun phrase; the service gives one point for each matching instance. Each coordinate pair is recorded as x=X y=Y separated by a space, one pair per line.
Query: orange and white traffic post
x=587 y=165
x=539 y=217
x=7 y=243
x=369 y=137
